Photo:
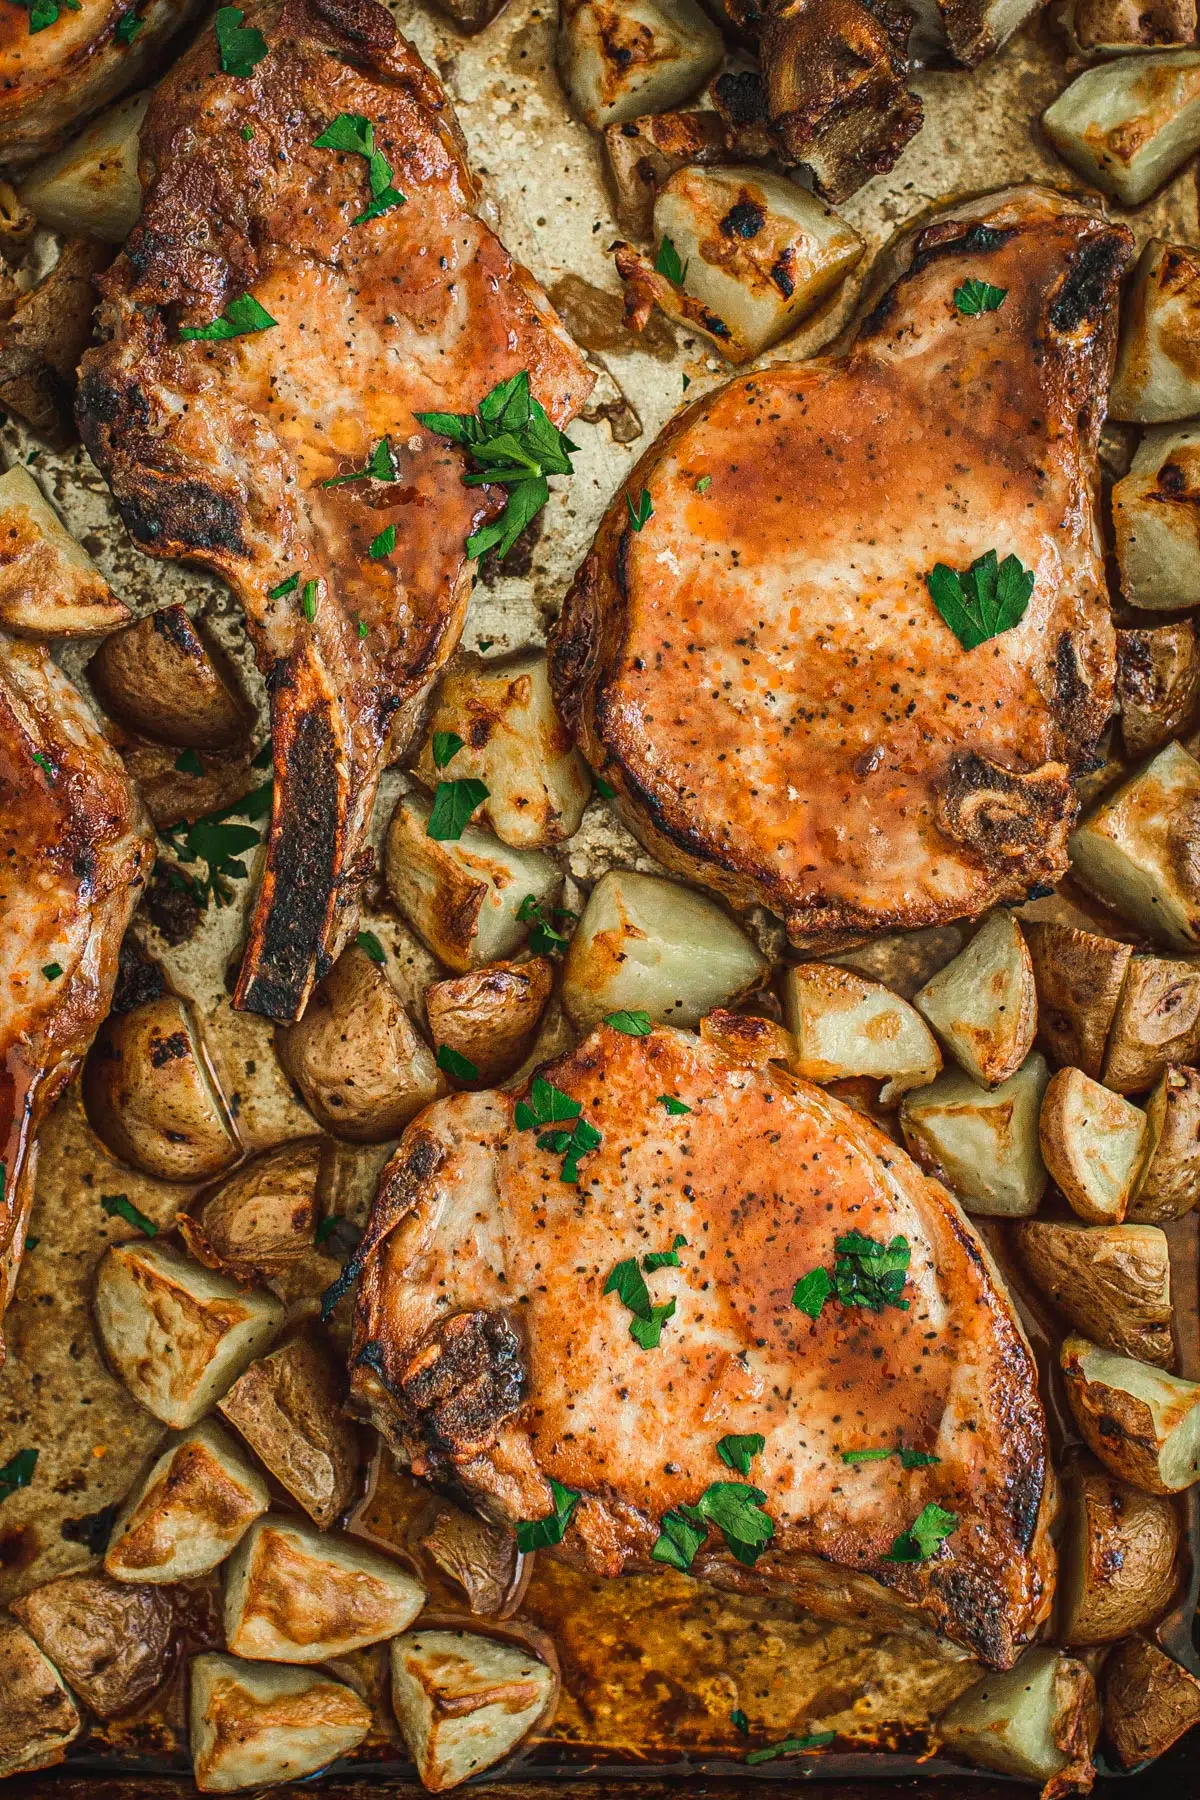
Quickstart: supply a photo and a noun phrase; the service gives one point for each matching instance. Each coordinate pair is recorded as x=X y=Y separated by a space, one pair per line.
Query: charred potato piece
x=199 y=1499
x=1137 y=850
x=1170 y=1180
x=619 y=58
x=49 y=585
x=1157 y=1022
x=983 y=1005
x=1078 y=976
x=173 y=793
x=1112 y=1283
x=39 y=1718
x=113 y=1642
x=1157 y=376
x=161 y=679
x=296 y=1595
x=1119 y=1557
x=1158 y=685
x=1141 y=1422
x=463 y=1701
x=1039 y=1720
x=288 y=1407
x=1155 y=510
x=252 y=1724
x=261 y=1218
x=150 y=1095
x=1149 y=1702
x=490 y=1017
x=480 y=1557
x=641 y=153
x=983 y=1143
x=177 y=1334
x=90 y=188
x=649 y=945
x=1097 y=28
x=844 y=1025
x=1128 y=125
x=1093 y=1143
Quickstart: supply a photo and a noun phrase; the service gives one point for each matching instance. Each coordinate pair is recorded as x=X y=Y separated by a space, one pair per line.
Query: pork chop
x=217 y=451
x=761 y=672
x=492 y=1354
x=77 y=849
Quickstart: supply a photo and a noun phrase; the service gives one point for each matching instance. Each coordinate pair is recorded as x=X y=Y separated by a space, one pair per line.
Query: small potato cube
x=38 y=1718
x=288 y=1407
x=1038 y=1720
x=983 y=1005
x=1128 y=125
x=177 y=1334
x=983 y=1143
x=1157 y=1022
x=463 y=1702
x=1111 y=1282
x=462 y=897
x=49 y=585
x=359 y=1062
x=1158 y=685
x=296 y=1595
x=161 y=679
x=1158 y=364
x=1097 y=28
x=197 y=1502
x=91 y=188
x=1093 y=1143
x=619 y=58
x=260 y=1220
x=1078 y=976
x=515 y=743
x=253 y=1724
x=1170 y=1181
x=641 y=153
x=491 y=1015
x=114 y=1643
x=1156 y=520
x=649 y=945
x=1149 y=1701
x=1141 y=1422
x=844 y=1025
x=1137 y=851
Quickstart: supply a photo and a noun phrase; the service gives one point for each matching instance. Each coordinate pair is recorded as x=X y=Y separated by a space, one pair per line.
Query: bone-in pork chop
x=491 y=1356
x=77 y=848
x=217 y=451
x=761 y=671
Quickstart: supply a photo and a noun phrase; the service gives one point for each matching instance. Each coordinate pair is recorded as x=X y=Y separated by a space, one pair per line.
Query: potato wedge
x=463 y=897
x=194 y=1506
x=296 y=1595
x=161 y=679
x=1154 y=512
x=478 y=1556
x=1143 y=1423
x=1112 y=1283
x=1093 y=1143
x=114 y=1643
x=1157 y=377
x=982 y=1142
x=1118 y=1569
x=1158 y=685
x=1137 y=851
x=619 y=58
x=651 y=945
x=1039 y=1720
x=1170 y=1181
x=1078 y=976
x=748 y=1037
x=43 y=339
x=641 y=153
x=361 y=1065
x=212 y=782
x=260 y=1219
x=463 y=1701
x=177 y=1334
x=514 y=741
x=844 y=1025
x=490 y=1017
x=1128 y=125
x=288 y=1407
x=49 y=585
x=1149 y=1701
x=252 y=1724
x=983 y=1005
x=1157 y=1022
x=39 y=1718
x=1096 y=28
x=90 y=188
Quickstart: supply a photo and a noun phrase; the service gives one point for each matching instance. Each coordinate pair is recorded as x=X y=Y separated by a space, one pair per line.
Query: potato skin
x=1116 y=1425
x=287 y=1406
x=1078 y=976
x=1149 y=1701
x=114 y=1642
x=1157 y=1022
x=1120 y=1562
x=261 y=1218
x=1170 y=1185
x=491 y=1014
x=159 y=678
x=1112 y=1283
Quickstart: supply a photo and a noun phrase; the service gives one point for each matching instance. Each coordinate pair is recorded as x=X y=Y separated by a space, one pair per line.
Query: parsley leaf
x=120 y=1206
x=241 y=318
x=737 y=1452
x=213 y=840
x=446 y=746
x=865 y=1273
x=382 y=544
x=453 y=1062
x=628 y=1283
x=928 y=1531
x=368 y=942
x=909 y=1459
x=45 y=765
x=604 y=788
x=975 y=296
x=453 y=804
x=188 y=763
x=287 y=586
x=735 y=1508
x=811 y=1292
x=667 y=262
x=648 y=1332
x=548 y=1105
x=17 y=1472
x=52 y=971
x=739 y=1721
x=633 y=1024
x=665 y=1259
x=46 y=12
x=326 y=1227
x=308 y=601
x=539 y=1534
x=676 y=1107
x=816 y=1740
x=704 y=483
x=544 y=940
x=239 y=48
x=865 y=1456
x=354 y=133
x=989 y=598
x=128 y=27
x=917 y=1459
x=644 y=510
x=678 y=1541
x=379 y=466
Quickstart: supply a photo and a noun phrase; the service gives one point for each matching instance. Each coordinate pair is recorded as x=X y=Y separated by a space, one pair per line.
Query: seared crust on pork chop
x=760 y=671
x=488 y=1354
x=216 y=451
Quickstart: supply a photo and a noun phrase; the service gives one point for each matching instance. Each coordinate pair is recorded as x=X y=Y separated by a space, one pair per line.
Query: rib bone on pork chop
x=760 y=671
x=217 y=451
x=488 y=1353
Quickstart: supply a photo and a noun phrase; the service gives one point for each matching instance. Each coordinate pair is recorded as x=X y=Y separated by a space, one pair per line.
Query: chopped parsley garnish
x=120 y=1206
x=865 y=1456
x=604 y=788
x=667 y=262
x=675 y=1107
x=865 y=1273
x=382 y=544
x=239 y=47
x=287 y=586
x=816 y=1740
x=633 y=1024
x=539 y=1534
x=52 y=971
x=628 y=1283
x=909 y=1459
x=213 y=840
x=811 y=1292
x=326 y=1227
x=247 y=134
x=548 y=1105
x=917 y=1459
x=544 y=940
x=17 y=1472
x=127 y=28
x=44 y=764
x=928 y=1531
x=738 y=1452
x=308 y=601
x=446 y=746
x=453 y=804
x=241 y=318
x=665 y=1259
x=350 y=131
x=379 y=466
x=363 y=627
x=188 y=763
x=975 y=296
x=512 y=441
x=989 y=598
x=46 y=12
x=704 y=483
x=453 y=1062
x=644 y=510
x=735 y=1508
x=739 y=1721
x=371 y=946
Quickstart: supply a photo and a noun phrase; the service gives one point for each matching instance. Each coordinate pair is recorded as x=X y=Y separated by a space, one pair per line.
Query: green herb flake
x=446 y=746
x=539 y=1534
x=327 y=1226
x=17 y=1472
x=678 y=1541
x=604 y=788
x=241 y=318
x=816 y=1740
x=811 y=1292
x=308 y=601
x=865 y=1273
x=927 y=1533
x=362 y=625
x=865 y=1456
x=120 y=1206
x=665 y=1259
x=46 y=12
x=667 y=262
x=453 y=804
x=188 y=763
x=52 y=971
x=32 y=1242
x=45 y=765
x=128 y=27
x=239 y=48
x=975 y=296
x=379 y=466
x=352 y=132
x=213 y=840
x=287 y=586
x=735 y=1508
x=247 y=134
x=704 y=483
x=633 y=1024
x=382 y=544
x=371 y=946
x=675 y=1107
x=991 y=597
x=739 y=1721
x=643 y=511
x=453 y=1062
x=917 y=1459
x=544 y=939
x=549 y=1106
x=738 y=1452
x=648 y=1332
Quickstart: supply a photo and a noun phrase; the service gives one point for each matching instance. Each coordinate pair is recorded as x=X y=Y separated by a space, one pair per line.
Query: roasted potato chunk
x=1119 y=1557
x=1039 y=1720
x=1128 y=125
x=1158 y=685
x=513 y=740
x=844 y=1025
x=44 y=337
x=1112 y=1283
x=1157 y=1022
x=177 y=1334
x=1157 y=377
x=1149 y=1701
x=49 y=585
x=91 y=188
x=39 y=1718
x=490 y=1017
x=288 y=1407
x=463 y=1702
x=650 y=945
x=1170 y=1181
x=1093 y=1143
x=983 y=1143
x=359 y=1062
x=641 y=153
x=161 y=679
x=619 y=58
x=1097 y=28
x=1137 y=850
x=260 y=1219
x=198 y=1501
x=1078 y=976
x=113 y=1642
x=251 y=1724
x=217 y=779
x=480 y=1557
x=983 y=1005
x=297 y=1595
x=1141 y=1422
x=1155 y=509
x=470 y=16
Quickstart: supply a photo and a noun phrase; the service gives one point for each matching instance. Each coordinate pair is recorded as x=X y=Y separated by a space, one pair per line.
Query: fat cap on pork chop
x=216 y=451
x=490 y=1357
x=760 y=672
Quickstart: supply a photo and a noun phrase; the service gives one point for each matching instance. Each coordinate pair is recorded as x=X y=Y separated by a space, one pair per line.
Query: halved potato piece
x=1112 y=1283
x=1039 y=1720
x=982 y=1142
x=115 y=1644
x=1096 y=28
x=1128 y=125
x=462 y=897
x=491 y=1015
x=983 y=1005
x=642 y=152
x=1149 y=1701
x=1118 y=1559
x=1158 y=685
x=1138 y=850
x=1093 y=1143
x=39 y=1718
x=296 y=1595
x=463 y=1701
x=844 y=1025
x=1170 y=1180
x=619 y=58
x=176 y=1333
x=49 y=585
x=1158 y=364
x=1078 y=976
x=91 y=188
x=1155 y=510
x=261 y=1218
x=194 y=1506
x=651 y=945
x=253 y=1724
x=288 y=1407
x=1157 y=1022
x=161 y=679
x=480 y=1557
x=1142 y=1423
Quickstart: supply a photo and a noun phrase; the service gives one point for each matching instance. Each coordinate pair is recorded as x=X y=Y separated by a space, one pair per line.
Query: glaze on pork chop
x=216 y=452
x=488 y=1354
x=760 y=672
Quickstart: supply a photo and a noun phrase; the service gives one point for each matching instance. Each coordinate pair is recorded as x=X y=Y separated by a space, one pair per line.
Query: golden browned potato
x=296 y=1595
x=983 y=1004
x=1158 y=685
x=288 y=1407
x=749 y=1037
x=619 y=58
x=490 y=1016
x=114 y=1643
x=1143 y=1423
x=151 y=1097
x=463 y=1701
x=39 y=1718
x=49 y=585
x=1118 y=1569
x=43 y=338
x=1079 y=977
x=1093 y=1143
x=90 y=188
x=844 y=1025
x=479 y=1556
x=1170 y=1181
x=1157 y=1022
x=1096 y=28
x=1039 y=1720
x=1136 y=850
x=1157 y=376
x=1149 y=1701
x=196 y=1503
x=254 y=1724
x=982 y=1142
x=161 y=679
x=641 y=153
x=1154 y=512
x=173 y=794
x=260 y=1219
x=1128 y=125
x=1111 y=1282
